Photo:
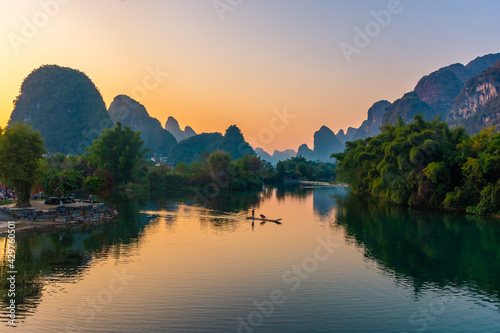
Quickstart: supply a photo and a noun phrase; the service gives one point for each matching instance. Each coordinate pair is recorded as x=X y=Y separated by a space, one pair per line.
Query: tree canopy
x=304 y=169
x=426 y=164
x=63 y=183
x=119 y=151
x=21 y=151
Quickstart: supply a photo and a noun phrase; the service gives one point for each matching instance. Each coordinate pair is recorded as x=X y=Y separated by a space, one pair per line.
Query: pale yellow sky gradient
x=262 y=56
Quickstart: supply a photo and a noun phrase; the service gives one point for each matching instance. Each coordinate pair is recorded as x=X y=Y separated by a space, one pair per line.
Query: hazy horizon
x=236 y=64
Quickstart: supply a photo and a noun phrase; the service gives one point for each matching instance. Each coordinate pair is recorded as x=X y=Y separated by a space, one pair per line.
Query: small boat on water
x=264 y=219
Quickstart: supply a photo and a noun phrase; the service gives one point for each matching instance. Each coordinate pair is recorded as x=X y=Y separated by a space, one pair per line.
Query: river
x=337 y=263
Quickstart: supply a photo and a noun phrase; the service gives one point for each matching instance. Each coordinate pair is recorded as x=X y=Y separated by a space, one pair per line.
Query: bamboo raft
x=264 y=219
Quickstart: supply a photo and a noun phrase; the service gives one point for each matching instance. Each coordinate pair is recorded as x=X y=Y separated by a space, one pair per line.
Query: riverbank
x=319 y=183
x=41 y=216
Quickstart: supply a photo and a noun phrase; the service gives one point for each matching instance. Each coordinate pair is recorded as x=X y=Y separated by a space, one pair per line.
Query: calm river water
x=337 y=263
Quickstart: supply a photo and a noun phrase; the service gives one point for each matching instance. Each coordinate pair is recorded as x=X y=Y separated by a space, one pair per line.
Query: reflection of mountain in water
x=425 y=247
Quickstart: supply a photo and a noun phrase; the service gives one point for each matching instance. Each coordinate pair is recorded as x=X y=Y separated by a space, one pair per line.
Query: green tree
x=21 y=150
x=416 y=164
x=312 y=170
x=93 y=185
x=302 y=170
x=268 y=172
x=480 y=160
x=219 y=163
x=119 y=151
x=162 y=178
x=250 y=163
x=324 y=171
x=63 y=183
x=281 y=169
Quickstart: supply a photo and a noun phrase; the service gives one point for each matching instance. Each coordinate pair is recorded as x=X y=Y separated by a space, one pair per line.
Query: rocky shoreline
x=43 y=216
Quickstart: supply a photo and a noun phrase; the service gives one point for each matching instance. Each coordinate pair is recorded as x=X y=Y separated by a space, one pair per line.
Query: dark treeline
x=117 y=160
x=304 y=169
x=426 y=164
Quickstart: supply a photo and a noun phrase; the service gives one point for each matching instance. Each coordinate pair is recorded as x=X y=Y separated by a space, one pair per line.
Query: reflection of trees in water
x=324 y=199
x=64 y=255
x=235 y=202
x=220 y=208
x=293 y=190
x=268 y=192
x=425 y=247
x=29 y=284
x=231 y=201
x=224 y=201
x=220 y=223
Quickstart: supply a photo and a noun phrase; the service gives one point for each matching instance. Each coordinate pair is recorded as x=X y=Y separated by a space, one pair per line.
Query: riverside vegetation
x=425 y=163
x=117 y=160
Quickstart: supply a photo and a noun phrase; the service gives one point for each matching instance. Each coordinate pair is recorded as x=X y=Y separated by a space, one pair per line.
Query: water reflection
x=64 y=255
x=228 y=201
x=425 y=247
x=325 y=200
x=293 y=190
x=417 y=248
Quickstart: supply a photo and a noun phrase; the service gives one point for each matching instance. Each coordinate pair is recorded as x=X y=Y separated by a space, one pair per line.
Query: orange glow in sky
x=236 y=67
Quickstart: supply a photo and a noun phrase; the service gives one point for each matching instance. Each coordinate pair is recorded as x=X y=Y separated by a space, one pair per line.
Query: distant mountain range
x=455 y=92
x=461 y=95
x=176 y=144
x=466 y=96
x=325 y=144
x=68 y=110
x=173 y=127
x=131 y=113
x=276 y=156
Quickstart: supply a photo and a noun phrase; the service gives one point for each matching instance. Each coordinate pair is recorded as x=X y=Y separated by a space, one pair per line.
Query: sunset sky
x=219 y=64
